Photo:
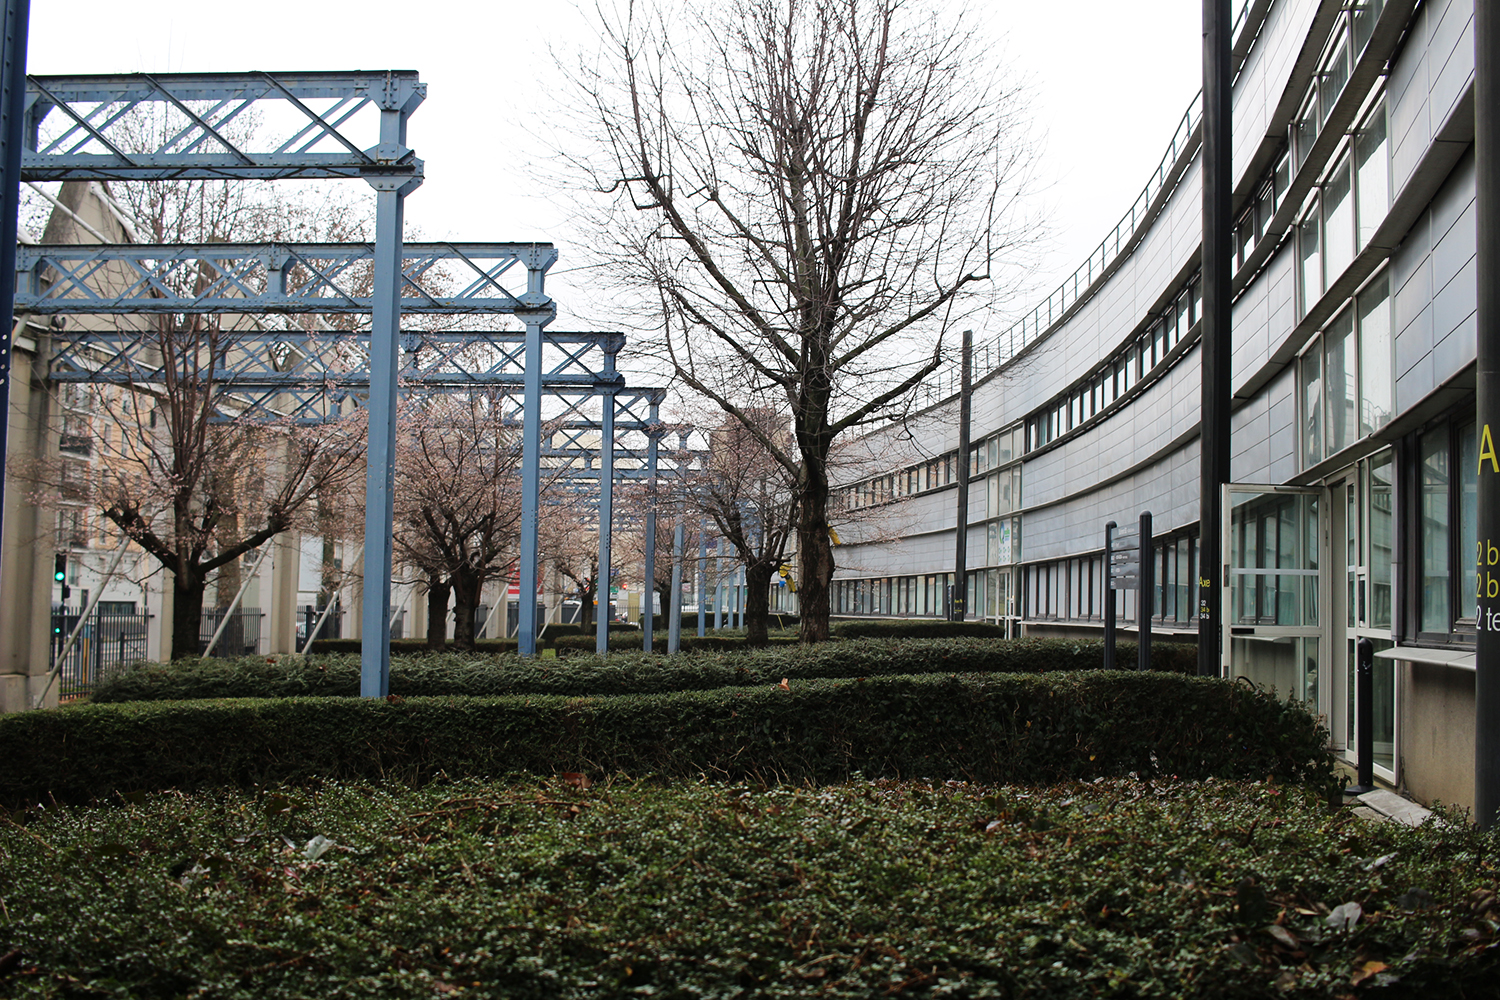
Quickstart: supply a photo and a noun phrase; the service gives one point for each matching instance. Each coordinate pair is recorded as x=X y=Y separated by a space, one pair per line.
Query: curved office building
x=1353 y=372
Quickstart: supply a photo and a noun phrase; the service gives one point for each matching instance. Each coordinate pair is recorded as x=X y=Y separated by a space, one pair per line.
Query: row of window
x=1003 y=491
x=1119 y=373
x=913 y=479
x=930 y=595
x=1072 y=589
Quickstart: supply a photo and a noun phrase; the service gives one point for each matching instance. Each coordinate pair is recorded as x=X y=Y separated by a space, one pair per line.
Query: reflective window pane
x=1376 y=388
x=1435 y=615
x=1340 y=389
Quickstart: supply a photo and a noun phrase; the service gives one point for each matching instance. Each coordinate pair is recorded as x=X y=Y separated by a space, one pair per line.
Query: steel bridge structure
x=323 y=125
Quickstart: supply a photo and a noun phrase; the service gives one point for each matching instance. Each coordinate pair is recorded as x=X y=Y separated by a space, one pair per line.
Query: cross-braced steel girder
x=316 y=125
x=336 y=278
x=302 y=376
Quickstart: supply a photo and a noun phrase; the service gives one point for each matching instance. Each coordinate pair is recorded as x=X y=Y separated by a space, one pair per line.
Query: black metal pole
x=960 y=606
x=1364 y=717
x=1145 y=604
x=1487 y=402
x=1216 y=343
x=12 y=109
x=1109 y=596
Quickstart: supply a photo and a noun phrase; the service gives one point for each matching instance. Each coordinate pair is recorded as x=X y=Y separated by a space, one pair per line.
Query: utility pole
x=1216 y=340
x=12 y=109
x=1487 y=403
x=960 y=607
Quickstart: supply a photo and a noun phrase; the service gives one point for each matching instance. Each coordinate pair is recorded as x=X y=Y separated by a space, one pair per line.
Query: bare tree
x=807 y=195
x=190 y=484
x=750 y=497
x=457 y=502
x=568 y=540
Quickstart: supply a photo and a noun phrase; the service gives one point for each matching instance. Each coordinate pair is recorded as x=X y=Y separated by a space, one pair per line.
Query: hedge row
x=1022 y=728
x=619 y=673
x=623 y=636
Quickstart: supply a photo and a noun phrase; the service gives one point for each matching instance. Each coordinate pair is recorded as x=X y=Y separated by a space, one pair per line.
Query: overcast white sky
x=1110 y=80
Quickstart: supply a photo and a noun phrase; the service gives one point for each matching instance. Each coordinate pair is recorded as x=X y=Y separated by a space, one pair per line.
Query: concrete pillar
x=30 y=534
x=281 y=604
x=416 y=614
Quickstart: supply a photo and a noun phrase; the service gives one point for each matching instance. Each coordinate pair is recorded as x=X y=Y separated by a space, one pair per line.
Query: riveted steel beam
x=307 y=125
x=256 y=278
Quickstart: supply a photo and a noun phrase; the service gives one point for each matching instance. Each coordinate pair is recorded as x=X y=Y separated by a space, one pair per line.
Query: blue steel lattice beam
x=278 y=278
x=317 y=125
x=291 y=359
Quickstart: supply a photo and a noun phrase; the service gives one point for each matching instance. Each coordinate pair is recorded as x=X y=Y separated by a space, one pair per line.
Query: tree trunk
x=187 y=615
x=814 y=554
x=757 y=602
x=586 y=605
x=437 y=613
x=466 y=584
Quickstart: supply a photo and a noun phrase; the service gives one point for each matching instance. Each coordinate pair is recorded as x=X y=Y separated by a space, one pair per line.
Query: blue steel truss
x=306 y=377
x=307 y=125
x=86 y=128
x=330 y=278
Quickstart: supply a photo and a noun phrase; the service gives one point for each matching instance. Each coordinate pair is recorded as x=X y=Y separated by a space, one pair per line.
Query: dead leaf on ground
x=1366 y=971
x=577 y=779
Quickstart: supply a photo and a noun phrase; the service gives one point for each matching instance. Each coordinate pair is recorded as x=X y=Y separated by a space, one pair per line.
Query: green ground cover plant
x=990 y=727
x=546 y=888
x=631 y=672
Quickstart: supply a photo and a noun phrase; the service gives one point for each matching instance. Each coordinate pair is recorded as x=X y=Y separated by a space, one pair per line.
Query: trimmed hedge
x=1022 y=728
x=619 y=673
x=913 y=628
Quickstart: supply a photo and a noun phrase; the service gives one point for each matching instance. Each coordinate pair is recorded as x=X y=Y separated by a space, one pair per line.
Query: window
x=1376 y=385
x=1311 y=259
x=1372 y=168
x=1338 y=222
x=1344 y=377
x=1447 y=532
x=1310 y=378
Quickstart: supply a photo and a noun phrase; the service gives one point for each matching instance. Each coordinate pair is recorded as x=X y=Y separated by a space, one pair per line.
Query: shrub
x=407 y=647
x=1033 y=728
x=913 y=628
x=709 y=663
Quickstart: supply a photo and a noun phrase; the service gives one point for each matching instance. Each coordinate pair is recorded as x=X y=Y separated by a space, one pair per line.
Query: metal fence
x=109 y=640
x=241 y=637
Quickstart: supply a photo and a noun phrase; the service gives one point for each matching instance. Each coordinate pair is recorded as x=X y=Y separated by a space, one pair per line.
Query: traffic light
x=60 y=574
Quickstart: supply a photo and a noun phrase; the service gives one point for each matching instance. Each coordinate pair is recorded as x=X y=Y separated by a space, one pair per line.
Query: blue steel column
x=674 y=613
x=702 y=576
x=539 y=313
x=385 y=333
x=606 y=523
x=531 y=478
x=12 y=104
x=647 y=618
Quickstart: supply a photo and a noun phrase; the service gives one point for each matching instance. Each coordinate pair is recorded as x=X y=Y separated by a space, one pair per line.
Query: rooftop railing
x=994 y=353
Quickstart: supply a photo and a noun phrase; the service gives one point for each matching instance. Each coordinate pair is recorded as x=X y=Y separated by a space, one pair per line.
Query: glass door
x=1272 y=605
x=1362 y=533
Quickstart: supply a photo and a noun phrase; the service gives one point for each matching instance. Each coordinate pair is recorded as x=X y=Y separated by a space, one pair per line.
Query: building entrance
x=1360 y=537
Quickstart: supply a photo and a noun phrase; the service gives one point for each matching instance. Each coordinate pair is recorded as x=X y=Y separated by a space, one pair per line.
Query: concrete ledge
x=1384 y=806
